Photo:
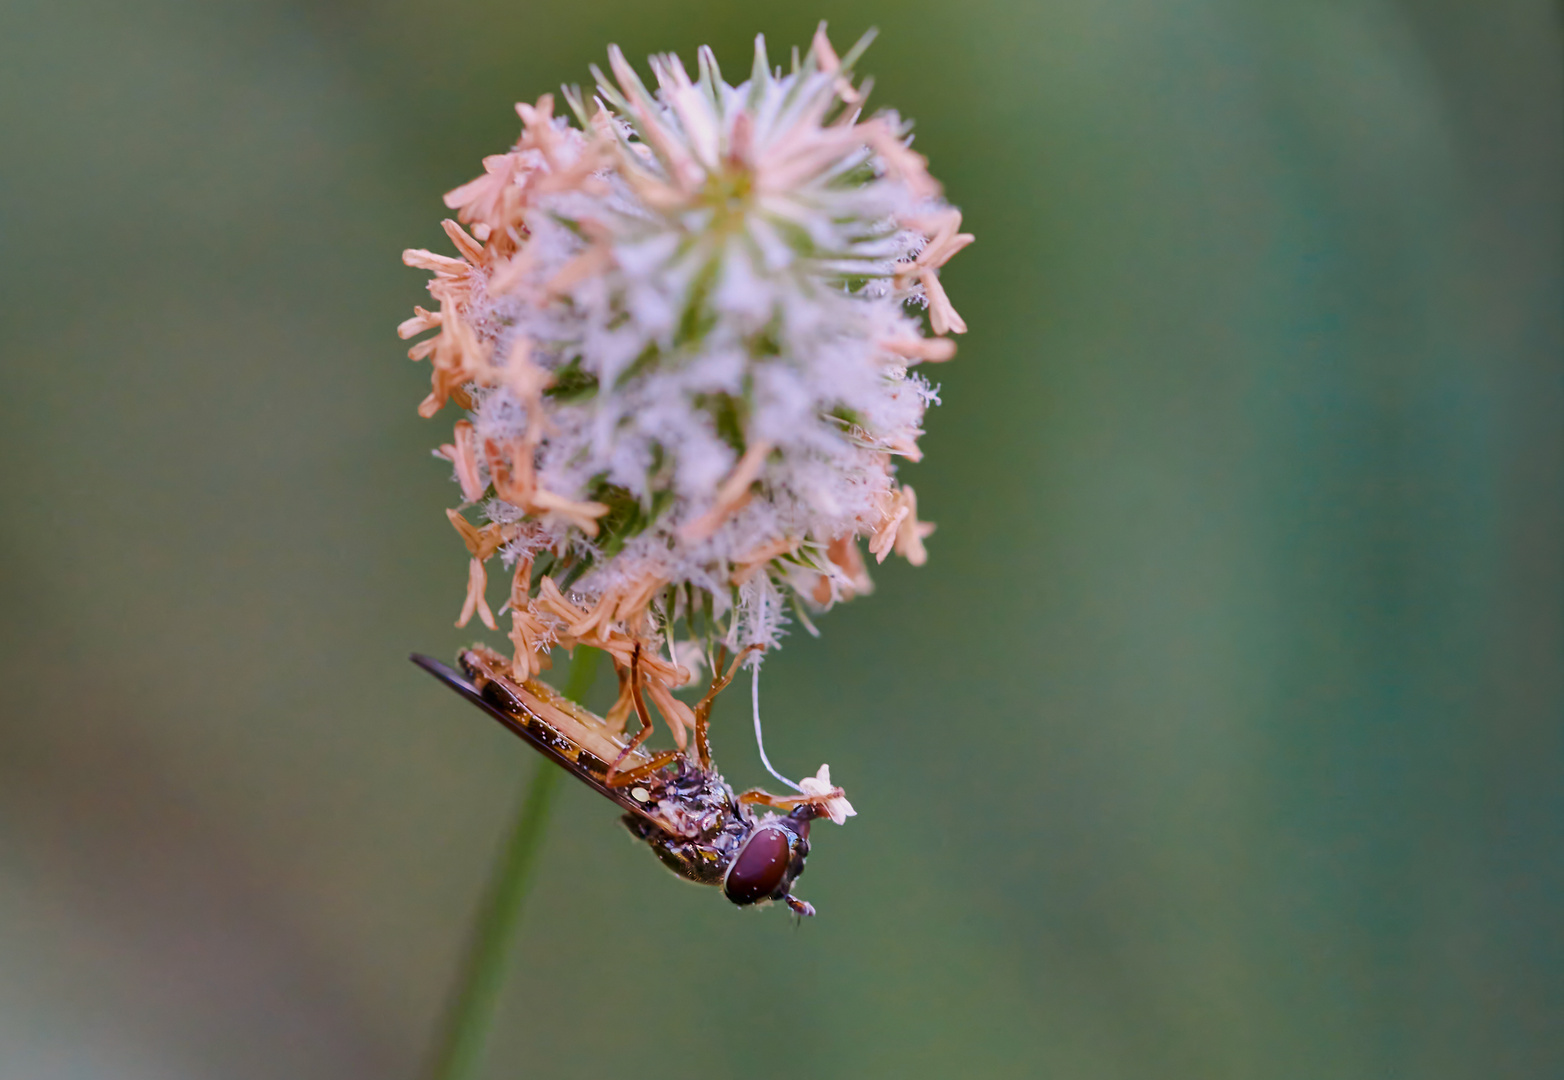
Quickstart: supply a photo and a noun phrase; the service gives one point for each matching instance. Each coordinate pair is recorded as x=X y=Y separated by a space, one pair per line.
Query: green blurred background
x=1221 y=736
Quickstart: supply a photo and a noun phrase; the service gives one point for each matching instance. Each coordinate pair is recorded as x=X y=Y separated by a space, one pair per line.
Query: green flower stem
x=482 y=977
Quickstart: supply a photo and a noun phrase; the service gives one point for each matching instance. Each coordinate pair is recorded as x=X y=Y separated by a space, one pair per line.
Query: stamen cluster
x=681 y=329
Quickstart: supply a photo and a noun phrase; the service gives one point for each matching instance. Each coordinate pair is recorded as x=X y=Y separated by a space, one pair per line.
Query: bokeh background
x=1220 y=737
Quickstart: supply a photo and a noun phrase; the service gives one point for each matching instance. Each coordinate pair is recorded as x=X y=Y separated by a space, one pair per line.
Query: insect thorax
x=707 y=825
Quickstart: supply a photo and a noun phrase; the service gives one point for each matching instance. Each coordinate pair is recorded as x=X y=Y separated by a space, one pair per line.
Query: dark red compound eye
x=761 y=865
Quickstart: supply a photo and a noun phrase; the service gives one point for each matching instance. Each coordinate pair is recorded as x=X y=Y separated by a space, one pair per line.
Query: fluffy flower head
x=681 y=324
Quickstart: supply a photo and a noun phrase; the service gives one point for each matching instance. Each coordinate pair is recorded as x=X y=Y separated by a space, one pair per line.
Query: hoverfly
x=682 y=809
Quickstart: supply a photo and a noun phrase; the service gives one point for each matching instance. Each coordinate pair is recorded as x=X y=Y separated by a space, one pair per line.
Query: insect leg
x=642 y=713
x=719 y=683
x=641 y=772
x=757 y=797
x=619 y=715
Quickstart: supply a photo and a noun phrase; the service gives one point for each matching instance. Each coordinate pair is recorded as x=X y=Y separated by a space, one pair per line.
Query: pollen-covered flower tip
x=680 y=321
